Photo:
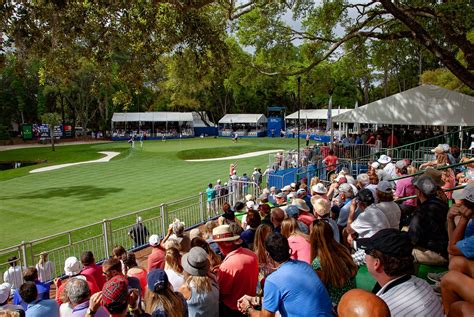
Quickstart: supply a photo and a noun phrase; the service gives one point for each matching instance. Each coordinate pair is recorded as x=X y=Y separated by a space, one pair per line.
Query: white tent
x=422 y=105
x=314 y=114
x=152 y=117
x=243 y=118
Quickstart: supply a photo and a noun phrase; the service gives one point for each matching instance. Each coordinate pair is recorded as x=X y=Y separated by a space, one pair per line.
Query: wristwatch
x=90 y=312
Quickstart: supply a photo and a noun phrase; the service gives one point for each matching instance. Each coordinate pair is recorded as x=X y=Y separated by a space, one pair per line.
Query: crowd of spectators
x=294 y=251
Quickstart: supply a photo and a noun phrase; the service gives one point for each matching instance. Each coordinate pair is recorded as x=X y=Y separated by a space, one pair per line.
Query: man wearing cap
x=301 y=193
x=344 y=199
x=457 y=284
x=238 y=273
x=388 y=169
x=294 y=289
x=388 y=254
x=156 y=260
x=427 y=229
x=139 y=233
x=370 y=220
x=387 y=205
x=5 y=290
x=281 y=200
x=304 y=215
x=319 y=190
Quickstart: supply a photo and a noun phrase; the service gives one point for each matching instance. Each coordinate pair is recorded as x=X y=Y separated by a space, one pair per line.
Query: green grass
x=41 y=204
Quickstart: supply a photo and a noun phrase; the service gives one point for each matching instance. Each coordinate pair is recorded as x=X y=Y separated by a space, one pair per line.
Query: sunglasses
x=320 y=220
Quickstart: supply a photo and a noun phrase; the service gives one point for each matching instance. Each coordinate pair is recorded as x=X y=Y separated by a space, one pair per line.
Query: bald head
x=360 y=303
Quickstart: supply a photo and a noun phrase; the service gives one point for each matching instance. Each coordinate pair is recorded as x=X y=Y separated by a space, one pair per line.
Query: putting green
x=36 y=205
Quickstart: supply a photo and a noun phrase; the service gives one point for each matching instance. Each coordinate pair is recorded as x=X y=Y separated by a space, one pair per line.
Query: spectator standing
x=294 y=289
x=156 y=260
x=238 y=273
x=90 y=268
x=14 y=274
x=46 y=269
x=139 y=233
x=389 y=260
x=330 y=161
x=211 y=196
x=200 y=290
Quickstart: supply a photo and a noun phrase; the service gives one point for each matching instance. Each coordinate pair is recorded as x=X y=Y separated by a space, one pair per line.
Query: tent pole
x=391 y=142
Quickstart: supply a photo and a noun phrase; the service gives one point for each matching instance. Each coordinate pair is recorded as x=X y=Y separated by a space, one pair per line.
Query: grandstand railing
x=101 y=237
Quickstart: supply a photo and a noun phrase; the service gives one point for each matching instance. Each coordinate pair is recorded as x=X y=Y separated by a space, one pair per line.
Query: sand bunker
x=235 y=157
x=108 y=156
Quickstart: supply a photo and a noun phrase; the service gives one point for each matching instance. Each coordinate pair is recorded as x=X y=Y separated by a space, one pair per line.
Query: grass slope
x=36 y=205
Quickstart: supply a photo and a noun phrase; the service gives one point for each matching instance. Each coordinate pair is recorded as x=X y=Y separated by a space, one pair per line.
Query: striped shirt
x=413 y=297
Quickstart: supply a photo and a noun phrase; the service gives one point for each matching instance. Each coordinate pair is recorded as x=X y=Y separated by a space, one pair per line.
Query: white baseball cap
x=466 y=193
x=5 y=289
x=154 y=240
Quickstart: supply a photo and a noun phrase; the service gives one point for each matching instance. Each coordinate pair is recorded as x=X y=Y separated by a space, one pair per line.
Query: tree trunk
x=51 y=134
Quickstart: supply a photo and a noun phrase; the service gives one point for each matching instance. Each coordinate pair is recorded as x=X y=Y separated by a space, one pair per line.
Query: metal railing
x=101 y=237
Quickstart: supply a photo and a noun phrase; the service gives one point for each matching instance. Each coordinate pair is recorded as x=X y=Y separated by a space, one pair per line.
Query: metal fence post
x=162 y=214
x=105 y=232
x=23 y=253
x=201 y=206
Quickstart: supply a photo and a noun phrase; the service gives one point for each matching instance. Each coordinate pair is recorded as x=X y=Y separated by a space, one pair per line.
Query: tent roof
x=243 y=118
x=314 y=114
x=422 y=105
x=152 y=116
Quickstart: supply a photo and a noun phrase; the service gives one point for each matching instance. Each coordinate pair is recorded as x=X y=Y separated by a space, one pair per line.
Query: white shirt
x=414 y=297
x=14 y=276
x=45 y=271
x=175 y=279
x=392 y=212
x=369 y=222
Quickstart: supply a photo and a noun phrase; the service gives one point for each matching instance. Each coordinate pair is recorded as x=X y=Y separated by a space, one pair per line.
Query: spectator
x=304 y=215
x=72 y=268
x=322 y=209
x=211 y=196
x=239 y=210
x=277 y=216
x=253 y=221
x=389 y=260
x=304 y=294
x=156 y=260
x=299 y=242
x=228 y=216
x=265 y=263
x=173 y=268
x=344 y=200
x=214 y=259
x=265 y=214
x=319 y=190
x=437 y=177
x=117 y=299
x=31 y=275
x=209 y=226
x=427 y=229
x=360 y=303
x=370 y=220
x=139 y=233
x=13 y=275
x=331 y=162
x=179 y=236
x=161 y=299
x=363 y=181
x=403 y=189
x=388 y=167
x=91 y=269
x=385 y=203
x=133 y=270
x=37 y=307
x=46 y=269
x=79 y=293
x=5 y=307
x=118 y=252
x=200 y=291
x=238 y=273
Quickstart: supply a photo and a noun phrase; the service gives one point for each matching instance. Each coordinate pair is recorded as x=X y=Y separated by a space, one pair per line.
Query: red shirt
x=237 y=276
x=95 y=271
x=331 y=161
x=156 y=260
x=62 y=286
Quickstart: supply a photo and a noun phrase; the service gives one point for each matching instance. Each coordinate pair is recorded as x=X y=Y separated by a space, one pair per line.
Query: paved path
x=24 y=146
x=108 y=156
x=241 y=156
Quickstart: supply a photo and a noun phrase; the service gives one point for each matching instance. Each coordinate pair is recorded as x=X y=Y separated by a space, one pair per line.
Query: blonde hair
x=314 y=181
x=202 y=284
x=208 y=229
x=411 y=169
x=173 y=260
x=166 y=299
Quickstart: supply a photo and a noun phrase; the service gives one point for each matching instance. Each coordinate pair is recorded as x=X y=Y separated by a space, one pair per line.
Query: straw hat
x=223 y=233
x=319 y=188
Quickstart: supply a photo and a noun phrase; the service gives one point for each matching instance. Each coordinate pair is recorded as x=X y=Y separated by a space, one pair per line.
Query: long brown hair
x=337 y=265
x=170 y=301
x=289 y=227
x=259 y=243
x=214 y=259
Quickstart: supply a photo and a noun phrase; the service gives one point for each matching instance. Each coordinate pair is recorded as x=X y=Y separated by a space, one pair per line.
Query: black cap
x=365 y=195
x=390 y=242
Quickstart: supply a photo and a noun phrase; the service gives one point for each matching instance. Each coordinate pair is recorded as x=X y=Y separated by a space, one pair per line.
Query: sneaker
x=436 y=277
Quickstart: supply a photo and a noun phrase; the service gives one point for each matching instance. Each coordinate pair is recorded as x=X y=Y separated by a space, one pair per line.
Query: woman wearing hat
x=200 y=291
x=161 y=300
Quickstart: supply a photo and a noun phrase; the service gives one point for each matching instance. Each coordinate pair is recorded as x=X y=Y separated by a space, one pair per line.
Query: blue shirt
x=43 y=293
x=42 y=308
x=294 y=289
x=466 y=245
x=344 y=213
x=211 y=194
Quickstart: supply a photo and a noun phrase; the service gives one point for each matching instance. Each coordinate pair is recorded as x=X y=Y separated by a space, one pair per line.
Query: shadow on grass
x=78 y=192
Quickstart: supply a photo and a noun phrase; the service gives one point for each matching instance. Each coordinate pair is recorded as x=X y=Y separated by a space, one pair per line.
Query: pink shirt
x=95 y=271
x=404 y=189
x=306 y=218
x=237 y=276
x=300 y=248
x=330 y=162
x=156 y=260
